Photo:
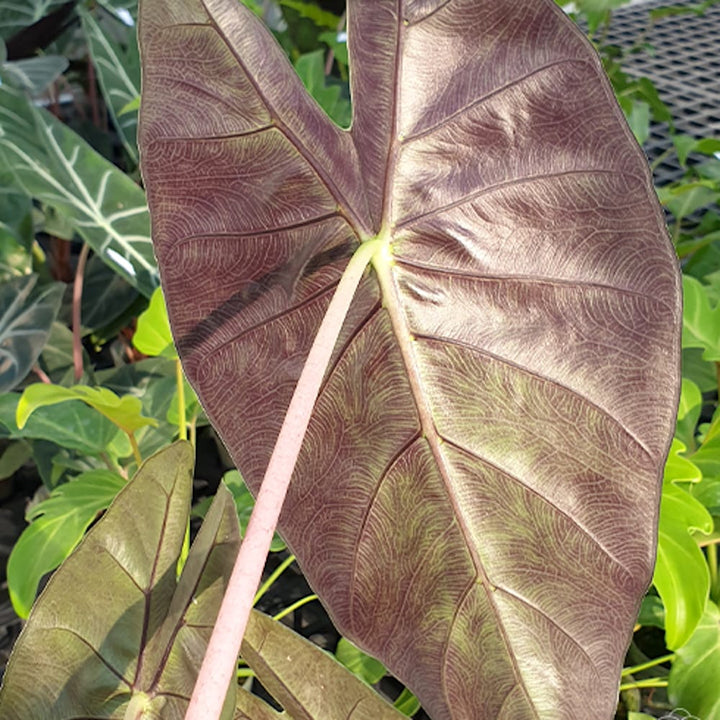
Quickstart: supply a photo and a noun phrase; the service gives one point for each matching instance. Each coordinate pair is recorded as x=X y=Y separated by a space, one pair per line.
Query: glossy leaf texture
x=681 y=571
x=476 y=500
x=27 y=312
x=119 y=74
x=57 y=525
x=695 y=675
x=56 y=166
x=114 y=627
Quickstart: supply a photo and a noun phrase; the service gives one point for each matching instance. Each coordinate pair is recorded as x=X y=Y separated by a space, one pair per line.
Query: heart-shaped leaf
x=72 y=425
x=678 y=553
x=114 y=627
x=476 y=498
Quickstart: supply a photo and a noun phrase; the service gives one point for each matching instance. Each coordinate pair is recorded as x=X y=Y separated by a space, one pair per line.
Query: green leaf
x=360 y=664
x=125 y=411
x=701 y=372
x=57 y=526
x=119 y=76
x=681 y=573
x=701 y=322
x=153 y=336
x=311 y=69
x=284 y=661
x=244 y=503
x=632 y=715
x=637 y=113
x=36 y=73
x=685 y=199
x=688 y=413
x=14 y=456
x=652 y=612
x=114 y=629
x=18 y=14
x=106 y=295
x=338 y=43
x=72 y=425
x=407 y=703
x=56 y=358
x=27 y=312
x=16 y=227
x=684 y=145
x=311 y=11
x=57 y=167
x=695 y=673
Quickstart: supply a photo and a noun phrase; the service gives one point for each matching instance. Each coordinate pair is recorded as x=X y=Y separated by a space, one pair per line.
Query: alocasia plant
x=476 y=498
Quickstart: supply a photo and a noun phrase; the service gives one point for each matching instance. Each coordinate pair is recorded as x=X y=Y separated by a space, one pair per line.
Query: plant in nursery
x=498 y=393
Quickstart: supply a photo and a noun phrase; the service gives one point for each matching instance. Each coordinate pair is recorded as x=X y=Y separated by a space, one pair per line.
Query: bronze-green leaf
x=114 y=628
x=309 y=683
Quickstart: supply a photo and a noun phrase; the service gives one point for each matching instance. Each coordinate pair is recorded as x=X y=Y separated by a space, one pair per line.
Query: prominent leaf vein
x=323 y=176
x=412 y=137
x=553 y=507
x=575 y=284
x=515 y=182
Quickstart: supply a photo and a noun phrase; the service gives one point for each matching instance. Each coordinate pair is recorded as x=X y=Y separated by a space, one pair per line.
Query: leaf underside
x=476 y=500
x=113 y=626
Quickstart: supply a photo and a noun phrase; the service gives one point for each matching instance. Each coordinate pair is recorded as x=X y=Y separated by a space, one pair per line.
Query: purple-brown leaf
x=476 y=500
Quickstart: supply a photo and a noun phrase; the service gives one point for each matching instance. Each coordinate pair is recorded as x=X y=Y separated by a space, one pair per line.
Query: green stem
x=651 y=663
x=295 y=606
x=193 y=432
x=661 y=157
x=638 y=684
x=279 y=570
x=712 y=557
x=135 y=448
x=244 y=673
x=182 y=422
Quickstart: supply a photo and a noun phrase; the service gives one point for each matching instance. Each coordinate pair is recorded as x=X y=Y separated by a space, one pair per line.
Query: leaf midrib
x=382 y=267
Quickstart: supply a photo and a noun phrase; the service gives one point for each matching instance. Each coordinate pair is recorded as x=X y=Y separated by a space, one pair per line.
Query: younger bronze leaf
x=476 y=501
x=308 y=682
x=113 y=629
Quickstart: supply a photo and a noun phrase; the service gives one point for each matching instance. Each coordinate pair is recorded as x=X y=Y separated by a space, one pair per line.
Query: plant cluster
x=94 y=395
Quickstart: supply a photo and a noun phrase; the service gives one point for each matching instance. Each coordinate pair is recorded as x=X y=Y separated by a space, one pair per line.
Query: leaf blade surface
x=495 y=384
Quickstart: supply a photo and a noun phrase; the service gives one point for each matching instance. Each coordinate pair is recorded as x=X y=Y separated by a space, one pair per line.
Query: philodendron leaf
x=286 y=663
x=113 y=628
x=72 y=425
x=119 y=75
x=695 y=674
x=153 y=336
x=681 y=571
x=487 y=447
x=701 y=321
x=125 y=411
x=57 y=526
x=26 y=314
x=57 y=167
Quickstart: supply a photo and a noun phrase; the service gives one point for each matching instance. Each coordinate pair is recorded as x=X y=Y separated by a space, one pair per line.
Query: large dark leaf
x=476 y=500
